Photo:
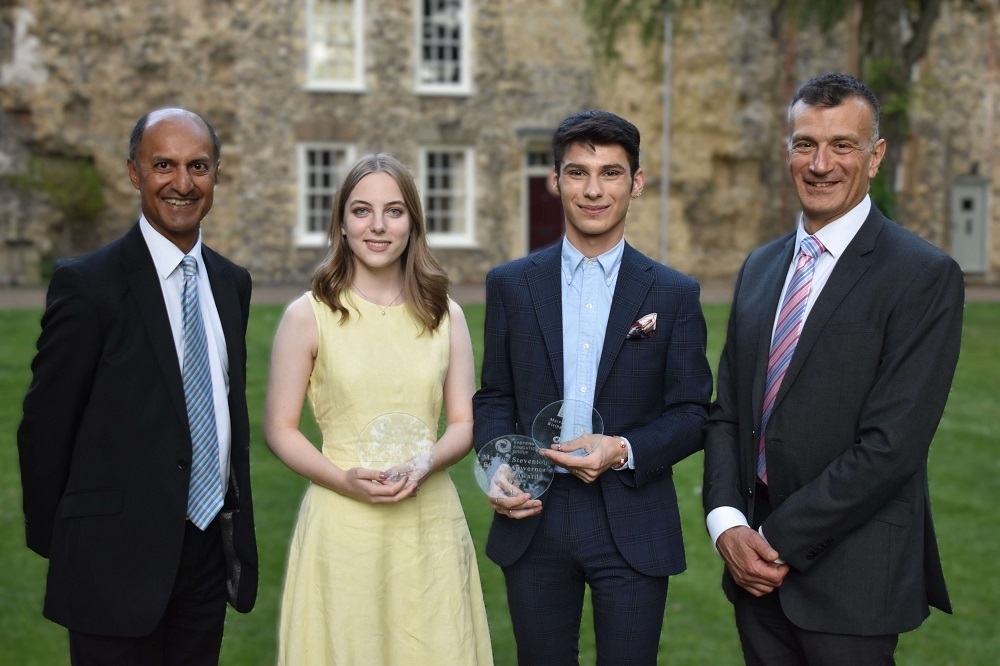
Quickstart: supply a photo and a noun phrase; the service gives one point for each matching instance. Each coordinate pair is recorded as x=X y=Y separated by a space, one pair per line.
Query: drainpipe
x=668 y=38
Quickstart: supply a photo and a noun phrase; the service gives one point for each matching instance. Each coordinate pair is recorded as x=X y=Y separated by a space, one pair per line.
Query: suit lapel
x=545 y=287
x=850 y=267
x=228 y=306
x=773 y=281
x=145 y=286
x=634 y=282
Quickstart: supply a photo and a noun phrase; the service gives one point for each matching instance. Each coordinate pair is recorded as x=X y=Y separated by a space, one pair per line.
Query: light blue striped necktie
x=205 y=493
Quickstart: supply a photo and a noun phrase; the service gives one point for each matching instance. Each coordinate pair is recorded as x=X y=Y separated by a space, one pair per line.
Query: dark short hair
x=596 y=128
x=833 y=89
x=140 y=128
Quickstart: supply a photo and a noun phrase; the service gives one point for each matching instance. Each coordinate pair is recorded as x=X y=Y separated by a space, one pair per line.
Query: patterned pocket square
x=643 y=327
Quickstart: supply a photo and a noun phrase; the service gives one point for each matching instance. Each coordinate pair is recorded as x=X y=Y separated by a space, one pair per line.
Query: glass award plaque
x=510 y=465
x=564 y=420
x=390 y=440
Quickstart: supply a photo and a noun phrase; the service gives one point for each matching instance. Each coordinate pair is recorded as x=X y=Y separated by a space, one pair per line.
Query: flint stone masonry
x=74 y=77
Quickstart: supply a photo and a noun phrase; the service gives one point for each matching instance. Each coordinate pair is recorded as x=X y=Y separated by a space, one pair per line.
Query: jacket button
x=182 y=464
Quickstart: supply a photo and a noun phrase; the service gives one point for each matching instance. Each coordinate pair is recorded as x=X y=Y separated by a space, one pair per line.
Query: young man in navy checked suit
x=106 y=444
x=594 y=320
x=816 y=491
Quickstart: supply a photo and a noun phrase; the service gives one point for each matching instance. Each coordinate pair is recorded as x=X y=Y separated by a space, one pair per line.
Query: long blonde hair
x=425 y=282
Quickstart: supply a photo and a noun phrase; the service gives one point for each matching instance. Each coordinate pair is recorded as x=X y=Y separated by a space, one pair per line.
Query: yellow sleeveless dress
x=380 y=584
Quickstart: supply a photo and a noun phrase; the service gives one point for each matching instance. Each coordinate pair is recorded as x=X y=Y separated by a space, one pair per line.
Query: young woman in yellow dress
x=377 y=572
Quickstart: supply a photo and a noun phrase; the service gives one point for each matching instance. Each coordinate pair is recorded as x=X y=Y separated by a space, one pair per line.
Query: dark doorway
x=545 y=223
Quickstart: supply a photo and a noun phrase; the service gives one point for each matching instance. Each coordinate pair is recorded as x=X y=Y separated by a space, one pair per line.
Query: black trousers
x=190 y=631
x=769 y=638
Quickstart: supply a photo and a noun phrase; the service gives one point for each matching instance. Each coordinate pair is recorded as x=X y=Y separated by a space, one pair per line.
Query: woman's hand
x=366 y=485
x=416 y=468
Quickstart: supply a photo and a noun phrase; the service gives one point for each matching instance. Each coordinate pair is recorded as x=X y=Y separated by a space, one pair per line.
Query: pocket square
x=643 y=327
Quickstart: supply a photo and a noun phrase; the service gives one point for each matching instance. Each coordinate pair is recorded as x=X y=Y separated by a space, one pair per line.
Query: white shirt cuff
x=723 y=518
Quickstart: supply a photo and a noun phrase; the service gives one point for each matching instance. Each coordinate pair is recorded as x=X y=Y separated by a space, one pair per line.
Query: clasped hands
x=751 y=560
x=601 y=454
x=394 y=484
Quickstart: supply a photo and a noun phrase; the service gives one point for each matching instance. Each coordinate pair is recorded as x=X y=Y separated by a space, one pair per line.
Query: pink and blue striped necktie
x=205 y=493
x=786 y=334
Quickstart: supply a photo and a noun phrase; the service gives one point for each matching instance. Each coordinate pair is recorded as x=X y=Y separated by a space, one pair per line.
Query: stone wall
x=74 y=77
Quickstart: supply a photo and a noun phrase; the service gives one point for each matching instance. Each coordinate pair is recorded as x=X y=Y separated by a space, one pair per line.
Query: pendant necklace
x=381 y=309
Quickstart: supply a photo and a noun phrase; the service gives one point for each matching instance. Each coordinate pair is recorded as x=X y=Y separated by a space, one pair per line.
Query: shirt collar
x=837 y=235
x=167 y=256
x=609 y=262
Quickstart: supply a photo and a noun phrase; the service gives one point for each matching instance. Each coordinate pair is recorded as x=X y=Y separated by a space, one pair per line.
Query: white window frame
x=466 y=238
x=356 y=83
x=463 y=86
x=304 y=236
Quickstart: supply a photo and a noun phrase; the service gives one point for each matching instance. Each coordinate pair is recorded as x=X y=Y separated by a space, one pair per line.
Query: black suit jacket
x=653 y=391
x=105 y=447
x=848 y=438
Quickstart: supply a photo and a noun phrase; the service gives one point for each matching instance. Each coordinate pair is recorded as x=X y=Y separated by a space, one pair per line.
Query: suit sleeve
x=495 y=409
x=722 y=484
x=895 y=426
x=687 y=390
x=69 y=348
x=245 y=290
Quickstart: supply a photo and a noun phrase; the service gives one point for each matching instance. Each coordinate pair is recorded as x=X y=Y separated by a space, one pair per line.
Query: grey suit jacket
x=848 y=438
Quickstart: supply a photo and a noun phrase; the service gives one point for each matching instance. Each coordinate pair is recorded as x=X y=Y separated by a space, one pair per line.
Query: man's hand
x=751 y=560
x=602 y=453
x=519 y=506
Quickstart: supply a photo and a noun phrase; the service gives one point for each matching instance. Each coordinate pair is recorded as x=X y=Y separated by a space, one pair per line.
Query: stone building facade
x=468 y=93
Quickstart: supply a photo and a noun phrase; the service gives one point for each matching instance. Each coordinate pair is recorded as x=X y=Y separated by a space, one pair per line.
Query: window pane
x=441 y=51
x=324 y=168
x=540 y=158
x=445 y=192
x=332 y=42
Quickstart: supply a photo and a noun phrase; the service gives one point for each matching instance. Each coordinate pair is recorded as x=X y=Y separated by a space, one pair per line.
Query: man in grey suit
x=134 y=446
x=841 y=348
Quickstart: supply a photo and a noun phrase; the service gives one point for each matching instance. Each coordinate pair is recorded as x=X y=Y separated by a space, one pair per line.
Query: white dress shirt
x=167 y=260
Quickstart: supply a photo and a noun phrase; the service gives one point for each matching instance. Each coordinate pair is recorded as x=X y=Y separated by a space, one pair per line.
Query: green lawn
x=698 y=626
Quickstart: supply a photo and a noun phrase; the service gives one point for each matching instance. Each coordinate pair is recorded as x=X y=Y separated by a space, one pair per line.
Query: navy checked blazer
x=654 y=391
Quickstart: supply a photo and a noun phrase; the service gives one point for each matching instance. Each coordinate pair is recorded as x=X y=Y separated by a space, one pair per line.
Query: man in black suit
x=138 y=394
x=593 y=320
x=834 y=376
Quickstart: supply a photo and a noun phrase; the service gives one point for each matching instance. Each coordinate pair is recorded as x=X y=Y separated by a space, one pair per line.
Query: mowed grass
x=698 y=626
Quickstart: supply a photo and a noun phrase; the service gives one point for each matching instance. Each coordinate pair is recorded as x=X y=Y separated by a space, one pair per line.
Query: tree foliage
x=72 y=183
x=892 y=36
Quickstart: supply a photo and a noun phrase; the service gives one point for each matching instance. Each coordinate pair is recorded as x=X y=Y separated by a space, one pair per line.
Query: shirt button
x=586 y=345
x=182 y=464
x=590 y=306
x=583 y=389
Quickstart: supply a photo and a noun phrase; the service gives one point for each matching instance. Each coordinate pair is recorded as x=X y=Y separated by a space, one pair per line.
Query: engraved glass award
x=510 y=465
x=396 y=440
x=564 y=420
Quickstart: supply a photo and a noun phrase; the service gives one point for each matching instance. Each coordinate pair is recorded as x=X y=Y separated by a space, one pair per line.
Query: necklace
x=381 y=309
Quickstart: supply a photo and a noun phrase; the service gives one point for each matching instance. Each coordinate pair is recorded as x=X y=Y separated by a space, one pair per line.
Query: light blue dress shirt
x=588 y=287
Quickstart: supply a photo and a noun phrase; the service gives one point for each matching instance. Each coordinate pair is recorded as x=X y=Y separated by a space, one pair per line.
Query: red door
x=545 y=224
